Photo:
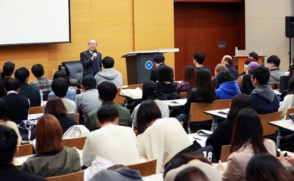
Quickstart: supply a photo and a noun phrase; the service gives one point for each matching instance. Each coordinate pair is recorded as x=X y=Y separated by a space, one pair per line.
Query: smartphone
x=222 y=112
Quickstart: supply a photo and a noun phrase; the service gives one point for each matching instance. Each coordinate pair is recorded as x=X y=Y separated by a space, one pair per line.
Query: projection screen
x=34 y=21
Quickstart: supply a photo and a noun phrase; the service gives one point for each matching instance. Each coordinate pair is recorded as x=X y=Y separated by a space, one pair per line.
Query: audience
x=263 y=97
x=8 y=150
x=42 y=83
x=17 y=105
x=247 y=141
x=117 y=144
x=288 y=99
x=253 y=55
x=198 y=60
x=247 y=85
x=51 y=158
x=217 y=69
x=227 y=60
x=164 y=85
x=158 y=61
x=8 y=70
x=189 y=81
x=109 y=73
x=56 y=107
x=275 y=72
x=226 y=86
x=22 y=75
x=246 y=71
x=158 y=138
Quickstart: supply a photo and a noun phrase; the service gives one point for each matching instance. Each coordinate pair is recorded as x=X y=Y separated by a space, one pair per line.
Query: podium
x=239 y=60
x=140 y=63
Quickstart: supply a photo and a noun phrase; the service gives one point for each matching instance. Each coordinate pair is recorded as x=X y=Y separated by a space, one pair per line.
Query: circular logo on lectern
x=148 y=65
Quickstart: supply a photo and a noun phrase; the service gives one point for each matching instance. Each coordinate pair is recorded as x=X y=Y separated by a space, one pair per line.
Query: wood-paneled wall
x=118 y=26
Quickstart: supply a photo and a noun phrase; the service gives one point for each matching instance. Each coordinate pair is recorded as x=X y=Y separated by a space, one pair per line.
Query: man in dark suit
x=22 y=75
x=227 y=61
x=91 y=59
x=158 y=61
x=17 y=105
x=8 y=70
x=8 y=150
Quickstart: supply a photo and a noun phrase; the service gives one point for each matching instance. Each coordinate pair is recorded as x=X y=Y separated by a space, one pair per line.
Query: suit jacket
x=154 y=72
x=31 y=93
x=87 y=63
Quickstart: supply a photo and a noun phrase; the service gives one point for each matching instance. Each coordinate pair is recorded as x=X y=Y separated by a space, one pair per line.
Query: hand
x=220 y=166
x=94 y=55
x=290 y=159
x=281 y=158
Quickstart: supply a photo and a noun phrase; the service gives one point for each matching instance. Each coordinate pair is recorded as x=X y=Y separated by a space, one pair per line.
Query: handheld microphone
x=95 y=50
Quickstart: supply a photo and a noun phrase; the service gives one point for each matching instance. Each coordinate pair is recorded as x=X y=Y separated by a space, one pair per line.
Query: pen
x=197 y=139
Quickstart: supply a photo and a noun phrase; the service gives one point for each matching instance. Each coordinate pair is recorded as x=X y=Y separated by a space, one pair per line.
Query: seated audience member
x=246 y=71
x=217 y=69
x=149 y=92
x=109 y=73
x=123 y=148
x=247 y=85
x=223 y=133
x=8 y=150
x=42 y=83
x=17 y=105
x=275 y=72
x=263 y=167
x=189 y=81
x=288 y=99
x=6 y=122
x=107 y=92
x=226 y=86
x=263 y=97
x=8 y=70
x=253 y=55
x=158 y=61
x=51 y=158
x=227 y=60
x=158 y=138
x=22 y=75
x=247 y=141
x=70 y=94
x=56 y=107
x=88 y=99
x=164 y=85
x=198 y=60
x=60 y=87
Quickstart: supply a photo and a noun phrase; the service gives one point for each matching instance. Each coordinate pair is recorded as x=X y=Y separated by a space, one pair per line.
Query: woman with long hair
x=247 y=141
x=189 y=81
x=226 y=86
x=288 y=99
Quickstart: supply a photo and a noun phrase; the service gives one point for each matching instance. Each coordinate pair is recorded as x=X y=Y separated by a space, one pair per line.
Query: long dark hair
x=3 y=110
x=223 y=76
x=205 y=87
x=239 y=102
x=165 y=74
x=190 y=75
x=291 y=86
x=248 y=128
x=149 y=90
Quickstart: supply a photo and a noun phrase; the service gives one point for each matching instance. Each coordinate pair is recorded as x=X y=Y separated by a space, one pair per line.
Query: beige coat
x=14 y=127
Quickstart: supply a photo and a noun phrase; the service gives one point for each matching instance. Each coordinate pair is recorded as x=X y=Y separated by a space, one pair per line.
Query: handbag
x=27 y=129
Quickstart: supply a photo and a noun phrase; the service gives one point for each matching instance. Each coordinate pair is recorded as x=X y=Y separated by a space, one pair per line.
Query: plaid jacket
x=43 y=84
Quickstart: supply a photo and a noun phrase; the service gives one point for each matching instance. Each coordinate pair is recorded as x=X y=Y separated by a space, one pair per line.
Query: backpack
x=76 y=131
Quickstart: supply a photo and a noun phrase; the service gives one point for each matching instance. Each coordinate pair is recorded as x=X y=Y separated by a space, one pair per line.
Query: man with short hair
x=22 y=75
x=42 y=83
x=8 y=70
x=109 y=73
x=263 y=97
x=8 y=150
x=91 y=59
x=227 y=61
x=198 y=60
x=275 y=72
x=158 y=61
x=253 y=55
x=117 y=144
x=17 y=105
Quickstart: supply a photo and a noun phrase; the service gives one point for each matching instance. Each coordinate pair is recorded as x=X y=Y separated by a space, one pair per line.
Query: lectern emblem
x=148 y=65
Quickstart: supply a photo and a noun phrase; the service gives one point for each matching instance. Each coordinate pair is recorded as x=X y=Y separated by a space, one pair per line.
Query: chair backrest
x=75 y=176
x=24 y=150
x=75 y=142
x=119 y=99
x=184 y=94
x=74 y=69
x=225 y=153
x=224 y=103
x=284 y=83
x=289 y=111
x=145 y=168
x=76 y=117
x=197 y=111
x=35 y=110
x=134 y=86
x=266 y=118
x=45 y=96
x=275 y=86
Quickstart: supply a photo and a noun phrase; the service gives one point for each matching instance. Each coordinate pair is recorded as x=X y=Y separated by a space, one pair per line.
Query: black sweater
x=66 y=122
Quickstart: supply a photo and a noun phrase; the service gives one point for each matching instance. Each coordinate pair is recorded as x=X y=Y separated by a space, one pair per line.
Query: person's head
x=8 y=68
x=165 y=74
x=11 y=84
x=88 y=83
x=218 y=68
x=291 y=70
x=248 y=128
x=38 y=70
x=198 y=58
x=59 y=74
x=149 y=90
x=223 y=76
x=48 y=134
x=92 y=44
x=108 y=62
x=246 y=64
x=22 y=74
x=190 y=75
x=56 y=107
x=3 y=110
x=291 y=86
x=260 y=76
x=253 y=55
x=263 y=167
x=227 y=59
x=191 y=174
x=107 y=114
x=239 y=102
x=107 y=91
x=158 y=59
x=147 y=113
x=273 y=62
x=8 y=144
x=59 y=87
x=252 y=65
x=204 y=86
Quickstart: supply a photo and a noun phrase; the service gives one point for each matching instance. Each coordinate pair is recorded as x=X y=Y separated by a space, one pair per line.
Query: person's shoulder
x=121 y=108
x=22 y=175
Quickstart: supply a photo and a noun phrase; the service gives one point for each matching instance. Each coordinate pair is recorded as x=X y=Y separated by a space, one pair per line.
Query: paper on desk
x=203 y=132
x=132 y=93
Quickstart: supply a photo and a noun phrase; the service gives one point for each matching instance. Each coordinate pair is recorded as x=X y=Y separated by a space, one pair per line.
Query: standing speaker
x=289 y=26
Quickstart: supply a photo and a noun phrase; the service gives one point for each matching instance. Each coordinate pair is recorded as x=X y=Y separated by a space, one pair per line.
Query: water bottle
x=41 y=97
x=236 y=50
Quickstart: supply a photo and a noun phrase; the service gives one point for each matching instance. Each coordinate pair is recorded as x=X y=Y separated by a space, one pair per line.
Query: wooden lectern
x=240 y=61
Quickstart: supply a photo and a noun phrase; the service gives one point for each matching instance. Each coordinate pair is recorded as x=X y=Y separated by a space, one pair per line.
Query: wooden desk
x=217 y=115
x=282 y=125
x=239 y=61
